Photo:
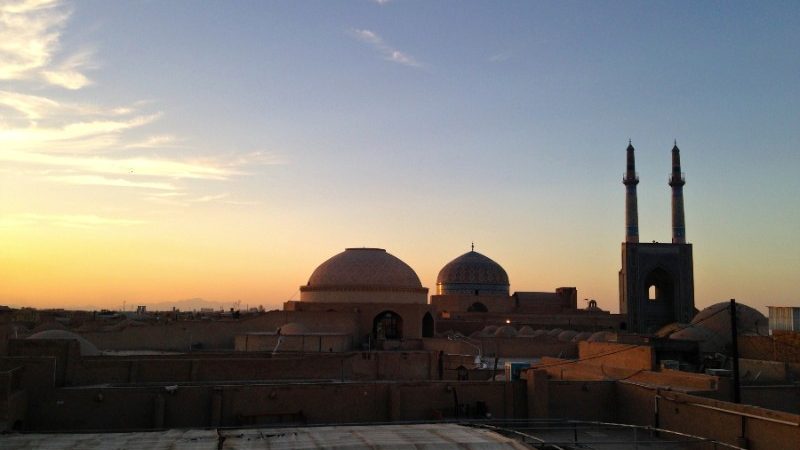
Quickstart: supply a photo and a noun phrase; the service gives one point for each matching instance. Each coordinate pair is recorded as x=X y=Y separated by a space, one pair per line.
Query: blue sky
x=275 y=134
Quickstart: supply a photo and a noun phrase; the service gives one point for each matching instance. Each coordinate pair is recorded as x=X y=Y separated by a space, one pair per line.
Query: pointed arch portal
x=427 y=325
x=387 y=325
x=659 y=290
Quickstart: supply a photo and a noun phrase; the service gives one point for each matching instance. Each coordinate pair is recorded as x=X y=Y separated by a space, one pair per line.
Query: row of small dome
x=508 y=331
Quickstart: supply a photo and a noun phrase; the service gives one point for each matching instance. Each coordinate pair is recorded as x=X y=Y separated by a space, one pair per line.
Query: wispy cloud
x=79 y=144
x=30 y=35
x=158 y=141
x=501 y=56
x=381 y=2
x=64 y=220
x=209 y=198
x=84 y=143
x=139 y=166
x=35 y=107
x=98 y=180
x=389 y=53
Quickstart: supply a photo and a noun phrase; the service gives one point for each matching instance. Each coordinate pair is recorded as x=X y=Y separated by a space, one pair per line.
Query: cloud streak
x=63 y=220
x=79 y=142
x=389 y=53
x=97 y=180
x=140 y=166
x=30 y=35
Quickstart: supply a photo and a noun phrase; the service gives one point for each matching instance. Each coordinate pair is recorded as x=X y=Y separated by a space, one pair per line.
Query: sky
x=158 y=151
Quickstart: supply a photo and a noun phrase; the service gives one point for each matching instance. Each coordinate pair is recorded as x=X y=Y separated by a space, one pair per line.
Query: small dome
x=489 y=330
x=539 y=332
x=472 y=274
x=711 y=327
x=567 y=335
x=717 y=319
x=582 y=336
x=602 y=336
x=670 y=328
x=709 y=341
x=526 y=330
x=293 y=329
x=506 y=331
x=87 y=348
x=554 y=332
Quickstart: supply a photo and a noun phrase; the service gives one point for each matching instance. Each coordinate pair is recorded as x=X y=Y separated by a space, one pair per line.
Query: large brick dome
x=364 y=275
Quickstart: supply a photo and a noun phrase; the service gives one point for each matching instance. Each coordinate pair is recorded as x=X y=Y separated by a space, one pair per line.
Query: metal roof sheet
x=385 y=437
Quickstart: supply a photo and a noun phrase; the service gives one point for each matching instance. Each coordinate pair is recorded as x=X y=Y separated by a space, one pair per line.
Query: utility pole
x=735 y=350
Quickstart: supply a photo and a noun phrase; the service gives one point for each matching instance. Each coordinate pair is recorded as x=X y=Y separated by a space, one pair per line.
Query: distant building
x=784 y=318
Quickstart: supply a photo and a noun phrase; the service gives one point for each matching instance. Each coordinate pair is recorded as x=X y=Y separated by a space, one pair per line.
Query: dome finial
x=473 y=246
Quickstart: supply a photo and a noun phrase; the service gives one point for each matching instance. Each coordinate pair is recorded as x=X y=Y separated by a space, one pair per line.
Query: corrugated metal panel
x=785 y=318
x=381 y=437
x=384 y=437
x=156 y=440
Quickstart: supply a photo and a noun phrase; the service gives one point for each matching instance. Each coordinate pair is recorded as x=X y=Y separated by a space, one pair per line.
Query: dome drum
x=471 y=289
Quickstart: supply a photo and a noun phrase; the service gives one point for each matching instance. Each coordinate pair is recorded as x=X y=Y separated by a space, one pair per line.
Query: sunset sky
x=155 y=151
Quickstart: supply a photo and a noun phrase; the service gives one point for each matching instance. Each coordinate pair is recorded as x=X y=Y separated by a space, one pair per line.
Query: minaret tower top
x=676 y=181
x=630 y=180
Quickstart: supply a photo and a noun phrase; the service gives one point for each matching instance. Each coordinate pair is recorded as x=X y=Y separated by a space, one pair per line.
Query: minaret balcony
x=628 y=178
x=677 y=180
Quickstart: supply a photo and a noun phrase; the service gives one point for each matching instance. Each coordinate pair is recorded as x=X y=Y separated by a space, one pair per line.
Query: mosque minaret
x=676 y=180
x=630 y=181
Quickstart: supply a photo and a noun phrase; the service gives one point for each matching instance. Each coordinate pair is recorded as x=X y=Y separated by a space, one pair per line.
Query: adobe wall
x=198 y=368
x=63 y=354
x=756 y=371
x=118 y=408
x=453 y=303
x=783 y=347
x=784 y=398
x=586 y=400
x=517 y=347
x=258 y=342
x=560 y=369
x=725 y=421
x=635 y=404
x=217 y=334
x=365 y=313
x=470 y=322
x=627 y=356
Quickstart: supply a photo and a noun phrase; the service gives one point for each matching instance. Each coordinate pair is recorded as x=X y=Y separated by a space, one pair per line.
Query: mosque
x=390 y=307
x=390 y=303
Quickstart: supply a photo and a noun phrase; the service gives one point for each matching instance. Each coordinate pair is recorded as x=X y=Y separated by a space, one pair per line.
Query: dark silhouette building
x=656 y=282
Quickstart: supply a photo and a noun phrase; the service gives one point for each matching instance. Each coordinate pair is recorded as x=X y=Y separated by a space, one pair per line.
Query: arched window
x=427 y=325
x=388 y=325
x=660 y=286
